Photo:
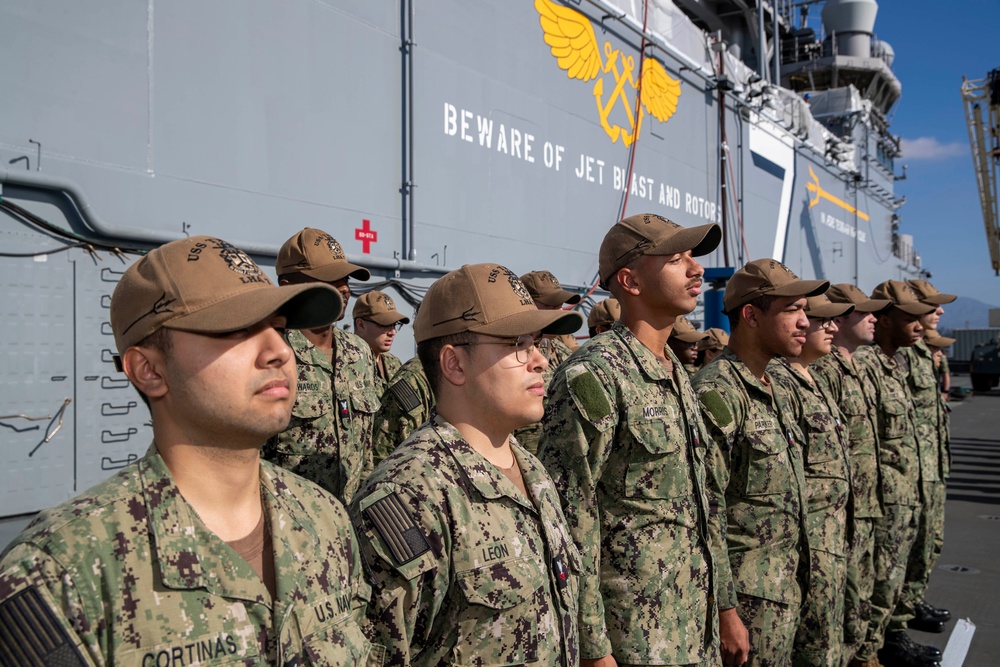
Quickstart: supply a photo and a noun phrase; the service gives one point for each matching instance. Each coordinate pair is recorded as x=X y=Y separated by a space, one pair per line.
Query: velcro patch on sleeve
x=405 y=396
x=717 y=408
x=397 y=528
x=588 y=393
x=31 y=634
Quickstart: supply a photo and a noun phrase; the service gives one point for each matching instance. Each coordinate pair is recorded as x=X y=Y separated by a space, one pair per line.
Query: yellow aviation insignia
x=571 y=37
x=820 y=193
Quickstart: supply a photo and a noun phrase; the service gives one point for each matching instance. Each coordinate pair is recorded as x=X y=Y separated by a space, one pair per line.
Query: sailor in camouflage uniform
x=712 y=345
x=468 y=550
x=376 y=321
x=819 y=641
x=897 y=327
x=683 y=341
x=405 y=405
x=624 y=441
x=852 y=390
x=198 y=553
x=329 y=438
x=756 y=470
x=547 y=294
x=930 y=414
x=603 y=316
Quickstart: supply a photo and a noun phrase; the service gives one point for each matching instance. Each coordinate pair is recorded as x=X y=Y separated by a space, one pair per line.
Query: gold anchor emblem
x=572 y=40
x=820 y=193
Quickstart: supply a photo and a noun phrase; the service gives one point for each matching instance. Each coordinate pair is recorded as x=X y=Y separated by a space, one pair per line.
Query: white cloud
x=929 y=148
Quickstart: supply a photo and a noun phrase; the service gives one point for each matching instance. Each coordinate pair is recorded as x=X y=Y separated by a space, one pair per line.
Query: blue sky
x=935 y=44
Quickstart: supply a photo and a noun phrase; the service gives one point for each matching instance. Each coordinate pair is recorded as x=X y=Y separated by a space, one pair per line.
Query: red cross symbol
x=366 y=235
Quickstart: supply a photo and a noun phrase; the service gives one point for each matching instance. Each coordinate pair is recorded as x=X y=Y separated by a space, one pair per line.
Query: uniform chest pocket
x=330 y=633
x=658 y=466
x=895 y=419
x=505 y=601
x=312 y=404
x=769 y=465
x=822 y=430
x=364 y=399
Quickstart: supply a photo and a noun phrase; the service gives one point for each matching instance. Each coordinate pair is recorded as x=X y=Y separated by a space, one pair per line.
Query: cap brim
x=304 y=306
x=555 y=322
x=940 y=299
x=828 y=310
x=699 y=240
x=338 y=271
x=692 y=337
x=559 y=297
x=804 y=288
x=918 y=308
x=385 y=319
x=872 y=306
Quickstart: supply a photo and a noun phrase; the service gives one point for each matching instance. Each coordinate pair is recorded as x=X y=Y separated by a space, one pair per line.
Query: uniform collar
x=306 y=352
x=644 y=357
x=743 y=372
x=485 y=477
x=191 y=556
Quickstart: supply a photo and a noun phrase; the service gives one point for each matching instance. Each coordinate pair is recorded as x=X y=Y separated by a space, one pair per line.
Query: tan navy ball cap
x=318 y=255
x=379 y=308
x=767 y=277
x=606 y=312
x=929 y=294
x=848 y=293
x=820 y=306
x=715 y=339
x=488 y=299
x=545 y=288
x=651 y=234
x=932 y=337
x=207 y=285
x=902 y=297
x=685 y=331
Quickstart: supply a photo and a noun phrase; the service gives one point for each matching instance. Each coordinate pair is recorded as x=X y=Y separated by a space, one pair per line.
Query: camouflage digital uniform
x=757 y=487
x=556 y=351
x=854 y=393
x=466 y=570
x=405 y=405
x=625 y=444
x=819 y=640
x=929 y=415
x=385 y=371
x=900 y=465
x=328 y=440
x=127 y=574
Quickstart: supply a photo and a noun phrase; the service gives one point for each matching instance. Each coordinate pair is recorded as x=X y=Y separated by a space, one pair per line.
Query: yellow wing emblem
x=660 y=91
x=571 y=38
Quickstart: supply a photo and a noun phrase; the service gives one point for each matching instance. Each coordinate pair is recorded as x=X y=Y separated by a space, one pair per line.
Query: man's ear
x=144 y=367
x=750 y=315
x=453 y=365
x=627 y=280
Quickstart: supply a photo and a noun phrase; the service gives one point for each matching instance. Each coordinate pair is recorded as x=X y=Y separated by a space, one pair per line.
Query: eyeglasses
x=824 y=323
x=397 y=326
x=523 y=345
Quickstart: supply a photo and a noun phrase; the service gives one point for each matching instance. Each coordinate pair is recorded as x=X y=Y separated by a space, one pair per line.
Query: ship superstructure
x=423 y=135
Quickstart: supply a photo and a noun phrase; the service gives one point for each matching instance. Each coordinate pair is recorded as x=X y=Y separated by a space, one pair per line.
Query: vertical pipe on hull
x=406 y=119
x=776 y=43
x=761 y=41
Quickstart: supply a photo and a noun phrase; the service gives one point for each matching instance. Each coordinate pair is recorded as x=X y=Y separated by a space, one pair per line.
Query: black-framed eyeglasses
x=824 y=322
x=523 y=345
x=397 y=326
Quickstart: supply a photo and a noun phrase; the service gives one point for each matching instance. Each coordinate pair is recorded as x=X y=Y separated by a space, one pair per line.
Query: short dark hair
x=158 y=340
x=762 y=303
x=429 y=353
